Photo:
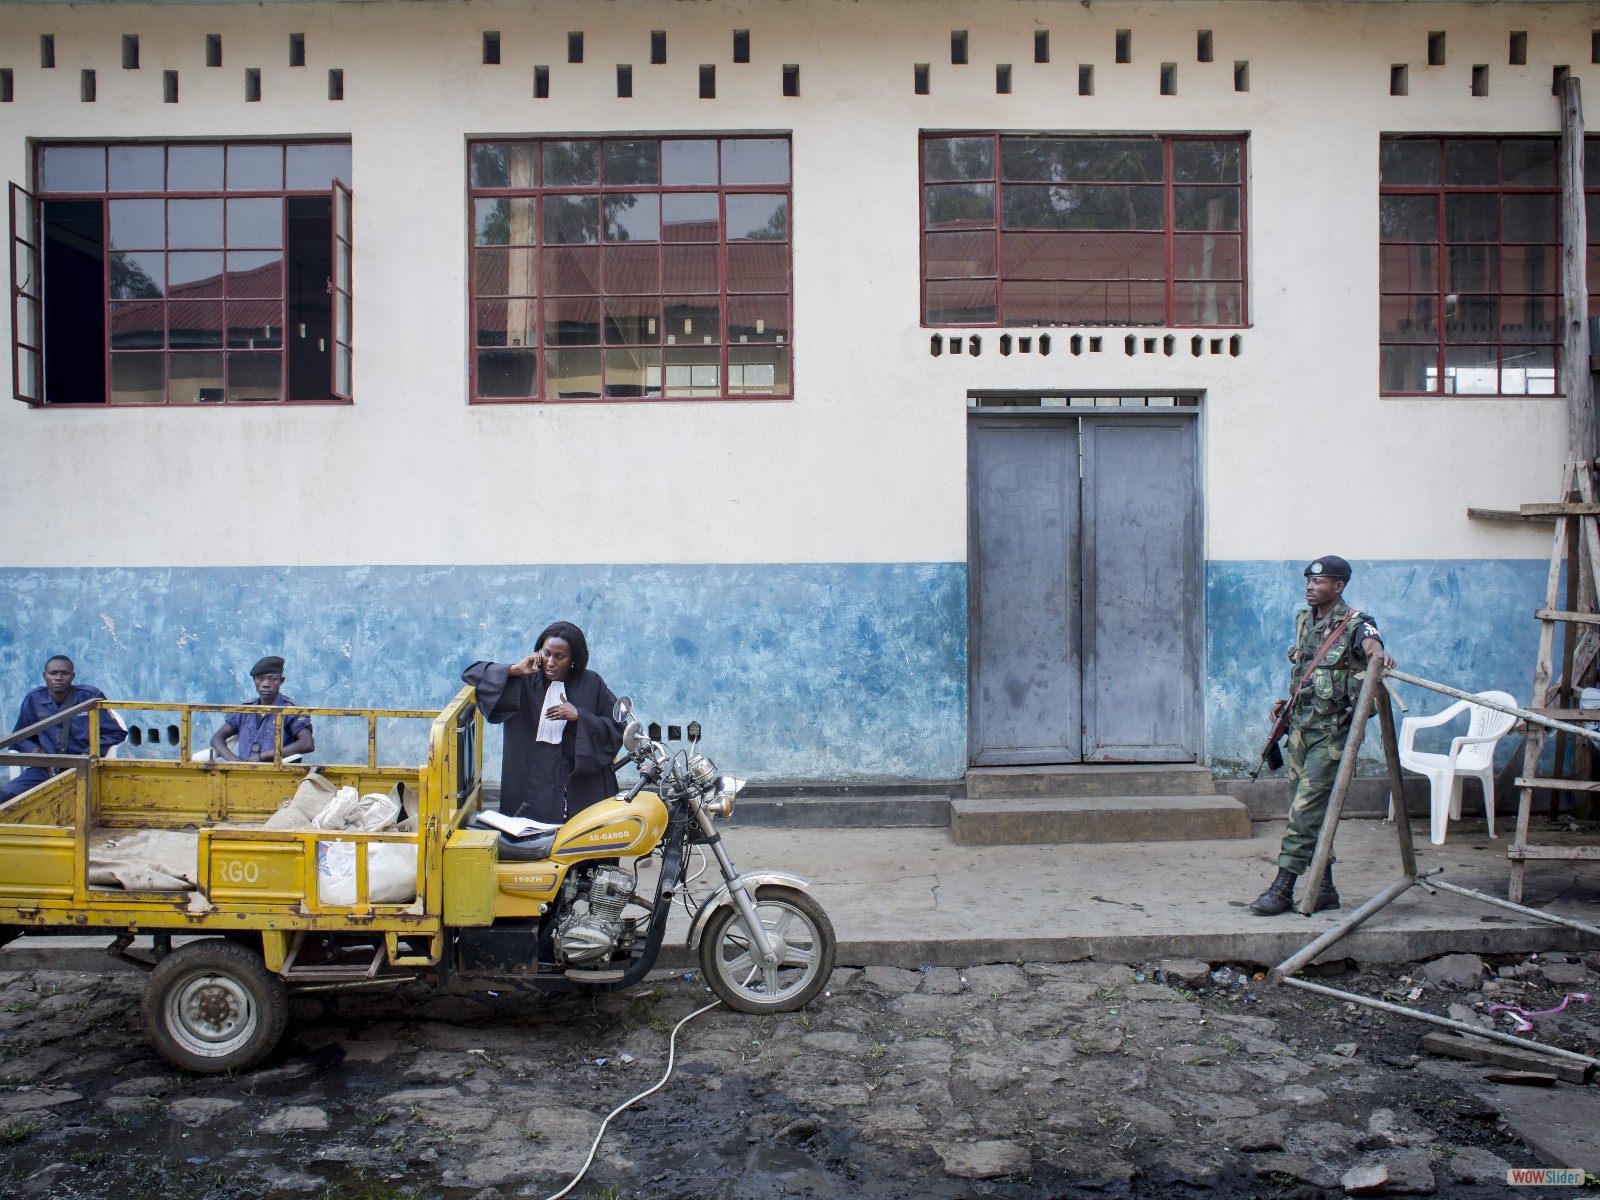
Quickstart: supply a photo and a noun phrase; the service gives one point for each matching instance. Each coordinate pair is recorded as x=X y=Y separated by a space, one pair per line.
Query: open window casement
x=27 y=339
x=339 y=286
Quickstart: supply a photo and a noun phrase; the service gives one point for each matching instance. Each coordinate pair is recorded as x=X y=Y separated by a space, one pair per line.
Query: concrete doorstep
x=913 y=897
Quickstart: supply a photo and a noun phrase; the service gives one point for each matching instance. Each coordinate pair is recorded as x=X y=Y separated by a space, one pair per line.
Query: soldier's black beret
x=270 y=665
x=1329 y=566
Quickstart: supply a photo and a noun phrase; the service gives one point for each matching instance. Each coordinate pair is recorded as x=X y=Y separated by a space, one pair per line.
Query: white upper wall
x=868 y=461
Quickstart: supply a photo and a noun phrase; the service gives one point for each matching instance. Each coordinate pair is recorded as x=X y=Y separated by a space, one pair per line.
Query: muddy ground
x=1035 y=1080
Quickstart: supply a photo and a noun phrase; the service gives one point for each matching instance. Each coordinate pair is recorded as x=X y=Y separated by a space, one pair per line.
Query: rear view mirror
x=632 y=734
x=622 y=709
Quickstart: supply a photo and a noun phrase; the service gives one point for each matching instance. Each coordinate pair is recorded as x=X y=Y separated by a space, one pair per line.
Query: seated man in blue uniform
x=258 y=731
x=57 y=693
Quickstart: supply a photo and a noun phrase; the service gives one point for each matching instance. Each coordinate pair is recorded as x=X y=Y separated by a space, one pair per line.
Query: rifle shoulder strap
x=1321 y=650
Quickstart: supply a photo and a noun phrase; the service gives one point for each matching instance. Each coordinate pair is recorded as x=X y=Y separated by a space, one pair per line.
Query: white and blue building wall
x=790 y=573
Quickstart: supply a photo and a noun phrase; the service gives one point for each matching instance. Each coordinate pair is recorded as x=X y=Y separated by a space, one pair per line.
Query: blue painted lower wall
x=825 y=672
x=832 y=672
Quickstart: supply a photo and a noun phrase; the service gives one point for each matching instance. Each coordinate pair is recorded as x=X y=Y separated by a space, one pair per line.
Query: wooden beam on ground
x=1471 y=1050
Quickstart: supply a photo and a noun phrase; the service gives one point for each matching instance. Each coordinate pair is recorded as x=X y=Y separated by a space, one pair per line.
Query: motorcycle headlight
x=721 y=802
x=701 y=771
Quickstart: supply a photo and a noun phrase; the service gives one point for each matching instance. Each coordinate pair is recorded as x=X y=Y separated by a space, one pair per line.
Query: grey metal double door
x=1085 y=589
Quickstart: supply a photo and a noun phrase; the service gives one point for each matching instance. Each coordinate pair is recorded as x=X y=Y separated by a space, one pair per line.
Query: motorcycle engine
x=590 y=931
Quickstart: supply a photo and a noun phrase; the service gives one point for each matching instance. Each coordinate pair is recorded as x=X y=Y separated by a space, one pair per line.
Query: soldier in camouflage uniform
x=1319 y=722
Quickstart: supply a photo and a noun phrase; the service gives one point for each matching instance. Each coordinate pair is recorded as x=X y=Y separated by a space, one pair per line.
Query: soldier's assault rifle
x=1271 y=754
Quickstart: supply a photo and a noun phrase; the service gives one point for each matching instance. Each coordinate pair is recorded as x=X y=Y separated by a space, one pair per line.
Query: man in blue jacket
x=58 y=693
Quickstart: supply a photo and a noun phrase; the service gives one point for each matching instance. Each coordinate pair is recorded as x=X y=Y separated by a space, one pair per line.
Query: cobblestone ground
x=1035 y=1080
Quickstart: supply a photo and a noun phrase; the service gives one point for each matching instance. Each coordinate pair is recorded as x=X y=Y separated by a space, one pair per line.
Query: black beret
x=270 y=665
x=1330 y=566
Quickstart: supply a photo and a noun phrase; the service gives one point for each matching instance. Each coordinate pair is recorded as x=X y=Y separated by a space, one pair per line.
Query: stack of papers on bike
x=517 y=827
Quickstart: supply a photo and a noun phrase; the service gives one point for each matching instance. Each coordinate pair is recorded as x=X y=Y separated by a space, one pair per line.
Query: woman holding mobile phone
x=560 y=737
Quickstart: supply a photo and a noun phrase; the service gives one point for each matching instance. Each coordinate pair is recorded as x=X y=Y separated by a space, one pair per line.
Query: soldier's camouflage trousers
x=1312 y=756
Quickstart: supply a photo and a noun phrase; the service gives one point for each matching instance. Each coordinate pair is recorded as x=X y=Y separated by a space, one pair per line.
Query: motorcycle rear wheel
x=805 y=942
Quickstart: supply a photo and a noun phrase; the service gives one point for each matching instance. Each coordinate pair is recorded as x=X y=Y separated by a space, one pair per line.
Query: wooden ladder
x=1576 y=545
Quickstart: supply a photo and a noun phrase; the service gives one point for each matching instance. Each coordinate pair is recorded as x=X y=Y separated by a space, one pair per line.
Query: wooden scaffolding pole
x=1575 y=377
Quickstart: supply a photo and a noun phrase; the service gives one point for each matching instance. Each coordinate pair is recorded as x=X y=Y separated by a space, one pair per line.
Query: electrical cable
x=672 y=1053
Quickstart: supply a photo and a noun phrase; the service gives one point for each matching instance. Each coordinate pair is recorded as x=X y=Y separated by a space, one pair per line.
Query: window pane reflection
x=758 y=370
x=194 y=326
x=194 y=224
x=950 y=159
x=691 y=373
x=255 y=376
x=72 y=169
x=138 y=326
x=137 y=276
x=633 y=374
x=313 y=168
x=194 y=168
x=255 y=168
x=194 y=378
x=138 y=378
x=255 y=222
x=507 y=322
x=137 y=224
x=255 y=325
x=137 y=168
x=572 y=374
x=632 y=217
x=1409 y=368
x=505 y=221
x=505 y=273
x=505 y=164
x=688 y=162
x=627 y=163
x=755 y=160
x=508 y=374
x=1471 y=370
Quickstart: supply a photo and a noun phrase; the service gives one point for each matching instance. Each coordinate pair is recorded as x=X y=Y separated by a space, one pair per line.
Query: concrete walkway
x=911 y=897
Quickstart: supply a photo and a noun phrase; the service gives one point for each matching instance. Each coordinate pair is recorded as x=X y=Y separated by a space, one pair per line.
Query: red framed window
x=183 y=273
x=1470 y=265
x=1049 y=229
x=630 y=268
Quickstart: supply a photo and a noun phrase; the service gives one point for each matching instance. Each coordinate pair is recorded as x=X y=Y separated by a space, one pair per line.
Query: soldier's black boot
x=1327 y=897
x=1278 y=898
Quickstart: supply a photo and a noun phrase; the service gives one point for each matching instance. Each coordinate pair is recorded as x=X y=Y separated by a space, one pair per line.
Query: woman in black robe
x=560 y=738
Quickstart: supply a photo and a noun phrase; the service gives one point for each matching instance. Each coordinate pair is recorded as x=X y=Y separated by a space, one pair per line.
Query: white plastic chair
x=1470 y=755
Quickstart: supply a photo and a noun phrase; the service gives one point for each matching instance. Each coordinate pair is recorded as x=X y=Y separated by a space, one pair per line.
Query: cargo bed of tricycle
x=255 y=892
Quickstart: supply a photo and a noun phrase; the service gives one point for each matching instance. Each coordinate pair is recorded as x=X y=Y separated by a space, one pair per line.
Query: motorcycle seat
x=529 y=849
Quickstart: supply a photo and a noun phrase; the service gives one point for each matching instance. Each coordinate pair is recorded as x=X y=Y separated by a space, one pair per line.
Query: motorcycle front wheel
x=799 y=931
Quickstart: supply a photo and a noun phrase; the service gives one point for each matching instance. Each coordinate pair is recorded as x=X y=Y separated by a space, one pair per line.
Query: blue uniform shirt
x=37 y=706
x=258 y=730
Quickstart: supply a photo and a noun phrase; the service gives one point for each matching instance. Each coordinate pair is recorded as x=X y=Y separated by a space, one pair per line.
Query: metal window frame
x=27 y=338
x=722 y=243
x=1168 y=232
x=1442 y=246
x=165 y=194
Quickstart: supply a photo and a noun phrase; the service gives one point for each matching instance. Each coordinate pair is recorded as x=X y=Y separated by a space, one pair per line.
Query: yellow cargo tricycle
x=260 y=913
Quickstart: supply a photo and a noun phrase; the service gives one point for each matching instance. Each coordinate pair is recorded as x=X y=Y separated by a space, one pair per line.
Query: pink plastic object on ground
x=1521 y=1015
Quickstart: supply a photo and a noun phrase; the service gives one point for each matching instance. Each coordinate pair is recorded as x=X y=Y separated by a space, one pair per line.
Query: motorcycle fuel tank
x=612 y=828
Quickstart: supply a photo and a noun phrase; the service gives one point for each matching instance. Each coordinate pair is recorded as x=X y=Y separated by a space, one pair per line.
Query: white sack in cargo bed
x=391 y=866
x=144 y=860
